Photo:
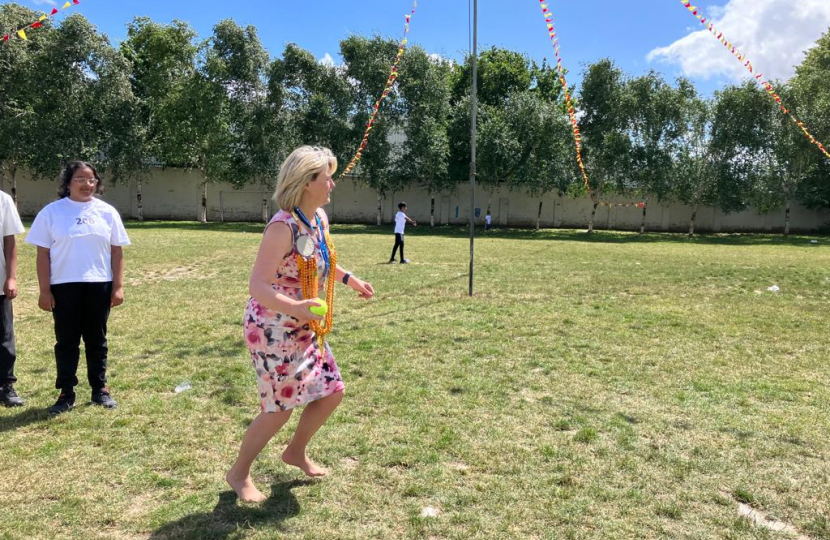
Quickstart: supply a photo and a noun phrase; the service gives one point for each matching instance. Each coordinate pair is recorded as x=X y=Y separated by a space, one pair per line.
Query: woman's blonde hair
x=298 y=169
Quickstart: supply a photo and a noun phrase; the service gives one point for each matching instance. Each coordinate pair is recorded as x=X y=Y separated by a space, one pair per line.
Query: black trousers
x=81 y=311
x=398 y=242
x=8 y=352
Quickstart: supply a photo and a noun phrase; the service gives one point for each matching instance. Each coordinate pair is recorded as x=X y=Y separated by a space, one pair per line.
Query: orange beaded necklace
x=310 y=284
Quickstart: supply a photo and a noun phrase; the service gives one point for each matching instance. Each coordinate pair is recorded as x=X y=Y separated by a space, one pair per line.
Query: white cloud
x=327 y=60
x=773 y=34
x=43 y=2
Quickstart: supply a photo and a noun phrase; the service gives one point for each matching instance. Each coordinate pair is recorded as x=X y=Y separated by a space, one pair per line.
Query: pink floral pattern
x=291 y=369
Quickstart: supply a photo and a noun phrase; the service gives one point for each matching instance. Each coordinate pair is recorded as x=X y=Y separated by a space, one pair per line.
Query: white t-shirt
x=9 y=225
x=488 y=219
x=80 y=236
x=400 y=222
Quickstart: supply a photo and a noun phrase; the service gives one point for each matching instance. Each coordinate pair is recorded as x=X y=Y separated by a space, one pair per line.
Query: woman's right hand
x=299 y=310
x=46 y=301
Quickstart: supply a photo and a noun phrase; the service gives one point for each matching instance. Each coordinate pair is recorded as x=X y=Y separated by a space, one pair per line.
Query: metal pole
x=474 y=102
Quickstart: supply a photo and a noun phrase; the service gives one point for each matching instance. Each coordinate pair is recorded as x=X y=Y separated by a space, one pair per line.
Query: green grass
x=604 y=387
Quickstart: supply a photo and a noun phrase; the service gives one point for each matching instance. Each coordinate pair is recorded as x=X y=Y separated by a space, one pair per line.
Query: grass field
x=605 y=387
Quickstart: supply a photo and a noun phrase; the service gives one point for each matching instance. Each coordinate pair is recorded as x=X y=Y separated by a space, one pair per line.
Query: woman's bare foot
x=244 y=488
x=297 y=459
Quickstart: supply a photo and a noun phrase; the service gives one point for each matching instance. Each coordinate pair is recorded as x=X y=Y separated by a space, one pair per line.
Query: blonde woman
x=294 y=366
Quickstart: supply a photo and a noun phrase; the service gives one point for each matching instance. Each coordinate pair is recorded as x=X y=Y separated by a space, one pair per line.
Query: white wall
x=175 y=194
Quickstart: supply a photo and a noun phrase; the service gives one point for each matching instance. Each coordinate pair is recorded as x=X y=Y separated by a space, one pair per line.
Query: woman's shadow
x=228 y=517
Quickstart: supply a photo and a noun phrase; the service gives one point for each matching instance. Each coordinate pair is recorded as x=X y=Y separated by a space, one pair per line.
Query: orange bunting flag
x=767 y=86
x=393 y=76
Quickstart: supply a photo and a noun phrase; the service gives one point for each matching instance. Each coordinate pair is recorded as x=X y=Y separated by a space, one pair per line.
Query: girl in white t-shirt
x=80 y=270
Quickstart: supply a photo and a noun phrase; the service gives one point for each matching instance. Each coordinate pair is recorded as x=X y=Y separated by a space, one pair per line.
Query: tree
x=505 y=79
x=603 y=126
x=368 y=64
x=203 y=120
x=694 y=179
x=788 y=159
x=311 y=101
x=550 y=166
x=655 y=127
x=16 y=107
x=84 y=106
x=738 y=140
x=162 y=58
x=425 y=91
x=812 y=94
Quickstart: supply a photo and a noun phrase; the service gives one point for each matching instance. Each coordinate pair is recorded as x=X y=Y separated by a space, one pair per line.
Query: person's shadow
x=229 y=517
x=26 y=416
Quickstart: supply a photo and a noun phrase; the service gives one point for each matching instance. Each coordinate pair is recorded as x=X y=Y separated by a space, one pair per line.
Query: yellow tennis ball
x=321 y=309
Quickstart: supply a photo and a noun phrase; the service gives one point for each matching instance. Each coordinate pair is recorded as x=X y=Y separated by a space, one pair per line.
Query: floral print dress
x=291 y=369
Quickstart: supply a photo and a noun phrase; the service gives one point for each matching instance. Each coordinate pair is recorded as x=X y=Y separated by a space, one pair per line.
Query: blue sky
x=589 y=29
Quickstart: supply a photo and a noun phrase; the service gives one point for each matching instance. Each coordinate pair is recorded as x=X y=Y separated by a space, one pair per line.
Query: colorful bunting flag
x=748 y=65
x=393 y=76
x=38 y=23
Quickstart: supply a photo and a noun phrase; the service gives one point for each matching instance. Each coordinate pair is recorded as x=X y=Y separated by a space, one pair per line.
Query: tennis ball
x=321 y=309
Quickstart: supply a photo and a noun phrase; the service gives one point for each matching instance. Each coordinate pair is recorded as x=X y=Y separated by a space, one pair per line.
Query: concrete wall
x=176 y=194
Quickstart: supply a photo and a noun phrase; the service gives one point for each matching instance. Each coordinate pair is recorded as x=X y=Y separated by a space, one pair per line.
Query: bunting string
x=21 y=33
x=393 y=76
x=554 y=38
x=624 y=205
x=717 y=34
x=548 y=15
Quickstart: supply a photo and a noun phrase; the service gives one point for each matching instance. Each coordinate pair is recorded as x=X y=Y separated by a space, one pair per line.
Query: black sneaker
x=9 y=398
x=392 y=261
x=404 y=261
x=103 y=398
x=65 y=402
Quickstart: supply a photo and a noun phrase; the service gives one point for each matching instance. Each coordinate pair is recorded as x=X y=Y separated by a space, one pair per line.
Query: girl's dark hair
x=69 y=171
x=401 y=205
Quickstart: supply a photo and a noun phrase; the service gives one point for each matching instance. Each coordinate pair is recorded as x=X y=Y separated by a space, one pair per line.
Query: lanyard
x=321 y=237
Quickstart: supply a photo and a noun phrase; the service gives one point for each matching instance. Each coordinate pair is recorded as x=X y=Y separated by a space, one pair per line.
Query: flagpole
x=474 y=112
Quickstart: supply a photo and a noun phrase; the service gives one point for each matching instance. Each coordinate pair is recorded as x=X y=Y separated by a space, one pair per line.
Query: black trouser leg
x=94 y=332
x=67 y=313
x=8 y=351
x=398 y=243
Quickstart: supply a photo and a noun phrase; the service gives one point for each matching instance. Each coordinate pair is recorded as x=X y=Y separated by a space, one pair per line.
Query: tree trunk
x=265 y=210
x=591 y=220
x=432 y=212
x=692 y=222
x=787 y=219
x=138 y=197
x=12 y=166
x=380 y=209
x=203 y=210
x=539 y=216
x=643 y=224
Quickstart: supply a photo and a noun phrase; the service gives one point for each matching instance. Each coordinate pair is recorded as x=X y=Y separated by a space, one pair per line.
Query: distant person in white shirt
x=10 y=225
x=80 y=270
x=400 y=223
x=488 y=221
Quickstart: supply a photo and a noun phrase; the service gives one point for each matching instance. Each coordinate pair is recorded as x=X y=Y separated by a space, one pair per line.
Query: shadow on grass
x=25 y=417
x=564 y=235
x=229 y=517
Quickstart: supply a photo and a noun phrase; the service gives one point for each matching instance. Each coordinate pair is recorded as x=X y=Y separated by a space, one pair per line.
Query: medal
x=305 y=245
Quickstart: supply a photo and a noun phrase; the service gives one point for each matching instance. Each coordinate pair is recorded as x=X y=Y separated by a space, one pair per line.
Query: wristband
x=346 y=277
